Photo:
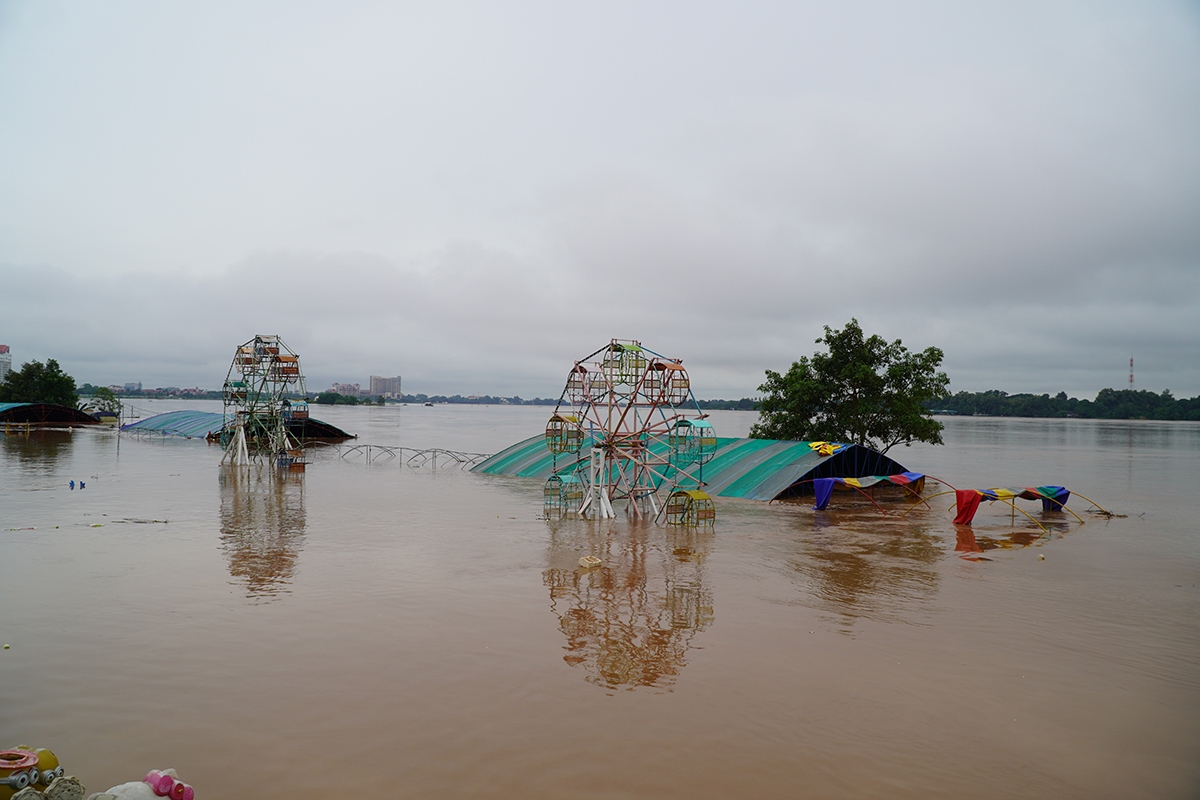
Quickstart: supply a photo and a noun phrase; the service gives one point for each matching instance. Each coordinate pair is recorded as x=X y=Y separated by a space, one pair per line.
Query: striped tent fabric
x=750 y=469
x=1054 y=498
x=823 y=487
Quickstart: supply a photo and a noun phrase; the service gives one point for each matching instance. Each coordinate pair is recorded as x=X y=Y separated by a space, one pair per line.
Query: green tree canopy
x=864 y=390
x=331 y=398
x=36 y=382
x=105 y=400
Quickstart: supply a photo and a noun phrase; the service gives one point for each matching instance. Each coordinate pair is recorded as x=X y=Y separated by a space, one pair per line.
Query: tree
x=332 y=398
x=105 y=400
x=35 y=382
x=864 y=390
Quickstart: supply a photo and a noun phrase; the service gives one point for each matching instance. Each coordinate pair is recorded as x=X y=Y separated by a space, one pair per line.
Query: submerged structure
x=751 y=469
x=627 y=427
x=209 y=424
x=264 y=396
x=42 y=415
x=266 y=410
x=1052 y=498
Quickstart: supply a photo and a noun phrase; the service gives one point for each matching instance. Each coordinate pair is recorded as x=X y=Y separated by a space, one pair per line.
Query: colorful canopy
x=823 y=487
x=1054 y=498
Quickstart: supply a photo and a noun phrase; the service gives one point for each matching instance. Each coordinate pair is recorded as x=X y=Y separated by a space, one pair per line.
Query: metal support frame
x=263 y=391
x=410 y=456
x=626 y=403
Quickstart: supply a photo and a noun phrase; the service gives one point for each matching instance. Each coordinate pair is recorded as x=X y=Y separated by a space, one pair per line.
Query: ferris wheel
x=634 y=411
x=264 y=397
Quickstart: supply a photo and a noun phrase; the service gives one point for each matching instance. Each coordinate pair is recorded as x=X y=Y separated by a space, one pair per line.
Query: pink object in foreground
x=166 y=786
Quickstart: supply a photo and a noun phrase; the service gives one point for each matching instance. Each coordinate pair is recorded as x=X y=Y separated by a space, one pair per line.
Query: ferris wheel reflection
x=262 y=527
x=630 y=621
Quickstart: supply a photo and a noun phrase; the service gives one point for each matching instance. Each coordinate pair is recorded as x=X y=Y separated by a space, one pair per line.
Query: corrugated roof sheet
x=753 y=469
x=198 y=424
x=189 y=424
x=44 y=415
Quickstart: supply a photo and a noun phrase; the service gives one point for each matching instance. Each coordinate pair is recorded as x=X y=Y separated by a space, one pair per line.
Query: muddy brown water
x=412 y=632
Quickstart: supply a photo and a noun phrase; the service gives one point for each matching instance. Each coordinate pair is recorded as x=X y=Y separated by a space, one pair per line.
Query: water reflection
x=262 y=527
x=39 y=450
x=1145 y=437
x=859 y=564
x=629 y=623
x=970 y=544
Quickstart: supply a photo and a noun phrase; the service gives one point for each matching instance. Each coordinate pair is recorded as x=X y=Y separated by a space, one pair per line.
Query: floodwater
x=412 y=632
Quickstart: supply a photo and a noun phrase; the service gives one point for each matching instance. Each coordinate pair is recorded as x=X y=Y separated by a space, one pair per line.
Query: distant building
x=385 y=387
x=6 y=362
x=133 y=386
x=351 y=389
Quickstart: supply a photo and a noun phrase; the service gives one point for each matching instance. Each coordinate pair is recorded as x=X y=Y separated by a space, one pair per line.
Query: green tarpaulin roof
x=753 y=469
x=198 y=424
x=189 y=424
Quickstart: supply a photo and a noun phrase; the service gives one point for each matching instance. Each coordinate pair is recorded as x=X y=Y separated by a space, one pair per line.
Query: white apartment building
x=385 y=387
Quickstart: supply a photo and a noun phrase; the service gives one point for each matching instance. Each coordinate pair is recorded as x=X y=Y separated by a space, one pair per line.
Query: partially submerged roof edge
x=755 y=469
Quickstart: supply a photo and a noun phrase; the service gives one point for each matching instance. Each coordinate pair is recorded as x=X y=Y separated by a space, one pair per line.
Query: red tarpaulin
x=968 y=504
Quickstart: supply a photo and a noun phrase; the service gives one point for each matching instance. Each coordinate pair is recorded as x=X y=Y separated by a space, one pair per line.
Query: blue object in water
x=82 y=485
x=823 y=490
x=72 y=486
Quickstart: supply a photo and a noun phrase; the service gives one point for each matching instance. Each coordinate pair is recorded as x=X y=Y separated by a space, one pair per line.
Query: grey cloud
x=475 y=196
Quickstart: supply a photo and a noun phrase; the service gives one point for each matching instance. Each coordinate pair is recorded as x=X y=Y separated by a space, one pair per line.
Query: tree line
x=333 y=398
x=1109 y=404
x=863 y=389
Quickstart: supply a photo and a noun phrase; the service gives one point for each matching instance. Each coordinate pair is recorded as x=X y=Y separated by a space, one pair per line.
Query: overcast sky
x=473 y=195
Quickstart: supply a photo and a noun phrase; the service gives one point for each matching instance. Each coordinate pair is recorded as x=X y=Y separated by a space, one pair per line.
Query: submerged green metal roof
x=199 y=424
x=189 y=424
x=753 y=469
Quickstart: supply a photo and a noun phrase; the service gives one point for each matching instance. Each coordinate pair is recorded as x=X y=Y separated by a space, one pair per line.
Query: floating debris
x=1100 y=512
